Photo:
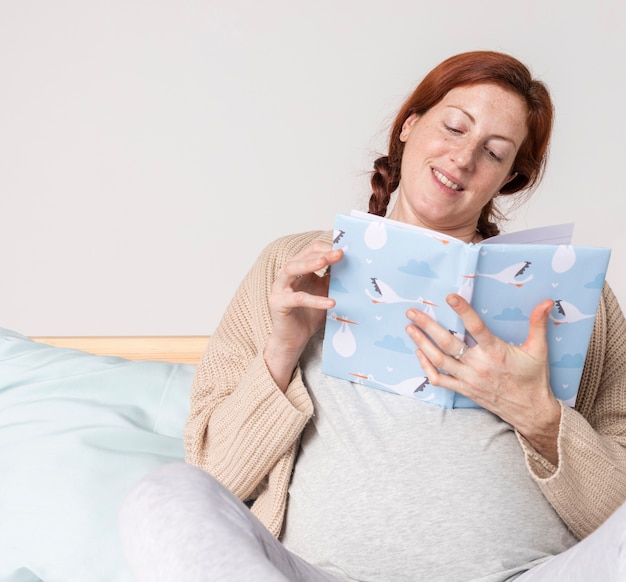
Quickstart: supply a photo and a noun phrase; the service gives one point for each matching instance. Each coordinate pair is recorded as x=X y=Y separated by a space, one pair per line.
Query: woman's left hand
x=510 y=381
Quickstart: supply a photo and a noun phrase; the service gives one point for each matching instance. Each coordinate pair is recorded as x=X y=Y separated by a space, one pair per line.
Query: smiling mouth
x=445 y=181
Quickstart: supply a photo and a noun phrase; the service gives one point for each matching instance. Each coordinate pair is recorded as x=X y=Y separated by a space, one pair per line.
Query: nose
x=464 y=154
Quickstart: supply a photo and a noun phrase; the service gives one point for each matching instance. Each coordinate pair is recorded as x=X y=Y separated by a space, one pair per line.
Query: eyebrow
x=473 y=120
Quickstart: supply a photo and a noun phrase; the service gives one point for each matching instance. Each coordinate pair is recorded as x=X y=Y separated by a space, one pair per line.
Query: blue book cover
x=389 y=267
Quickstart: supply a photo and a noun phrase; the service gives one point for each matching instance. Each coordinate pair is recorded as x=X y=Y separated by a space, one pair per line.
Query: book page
x=556 y=234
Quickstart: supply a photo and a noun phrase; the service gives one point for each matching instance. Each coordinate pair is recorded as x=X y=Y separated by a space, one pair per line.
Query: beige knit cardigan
x=245 y=431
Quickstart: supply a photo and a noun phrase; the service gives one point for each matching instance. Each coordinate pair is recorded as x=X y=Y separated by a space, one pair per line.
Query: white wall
x=149 y=149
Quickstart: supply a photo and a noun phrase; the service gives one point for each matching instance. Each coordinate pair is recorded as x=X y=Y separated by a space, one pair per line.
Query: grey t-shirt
x=387 y=488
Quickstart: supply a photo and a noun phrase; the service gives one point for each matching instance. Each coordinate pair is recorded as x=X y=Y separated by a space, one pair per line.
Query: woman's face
x=457 y=156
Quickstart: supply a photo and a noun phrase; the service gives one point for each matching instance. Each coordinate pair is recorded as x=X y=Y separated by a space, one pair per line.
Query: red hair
x=465 y=69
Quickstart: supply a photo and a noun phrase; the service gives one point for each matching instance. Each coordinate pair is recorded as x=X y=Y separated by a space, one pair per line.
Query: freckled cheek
x=487 y=181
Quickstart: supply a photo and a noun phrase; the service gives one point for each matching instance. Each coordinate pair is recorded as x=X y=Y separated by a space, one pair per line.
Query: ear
x=408 y=124
x=510 y=178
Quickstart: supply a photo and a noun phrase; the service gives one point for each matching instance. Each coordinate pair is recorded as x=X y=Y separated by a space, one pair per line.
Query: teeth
x=445 y=181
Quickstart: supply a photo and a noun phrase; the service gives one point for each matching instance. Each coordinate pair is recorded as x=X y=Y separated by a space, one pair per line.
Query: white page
x=556 y=234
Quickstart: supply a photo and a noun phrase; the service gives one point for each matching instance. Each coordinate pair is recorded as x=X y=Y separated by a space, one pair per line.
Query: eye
x=452 y=129
x=493 y=155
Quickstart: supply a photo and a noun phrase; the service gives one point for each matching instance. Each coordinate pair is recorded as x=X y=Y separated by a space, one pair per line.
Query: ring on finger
x=460 y=353
x=298 y=276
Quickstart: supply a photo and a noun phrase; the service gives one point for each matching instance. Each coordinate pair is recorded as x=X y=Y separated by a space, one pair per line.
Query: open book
x=390 y=266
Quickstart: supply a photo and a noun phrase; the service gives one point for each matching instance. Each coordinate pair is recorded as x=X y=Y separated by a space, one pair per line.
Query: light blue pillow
x=77 y=431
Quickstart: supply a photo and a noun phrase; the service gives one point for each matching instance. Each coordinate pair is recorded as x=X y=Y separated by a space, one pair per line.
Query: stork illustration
x=387 y=295
x=511 y=274
x=567 y=313
x=338 y=235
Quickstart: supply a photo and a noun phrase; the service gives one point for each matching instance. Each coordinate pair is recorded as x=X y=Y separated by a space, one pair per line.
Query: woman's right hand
x=298 y=303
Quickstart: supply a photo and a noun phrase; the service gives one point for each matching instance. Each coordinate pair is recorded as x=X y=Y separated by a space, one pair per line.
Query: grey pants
x=179 y=523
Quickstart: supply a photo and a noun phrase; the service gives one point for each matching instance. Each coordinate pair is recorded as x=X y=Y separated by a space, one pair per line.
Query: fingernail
x=452 y=300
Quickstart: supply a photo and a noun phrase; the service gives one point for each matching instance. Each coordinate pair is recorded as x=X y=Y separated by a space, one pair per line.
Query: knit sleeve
x=590 y=481
x=242 y=428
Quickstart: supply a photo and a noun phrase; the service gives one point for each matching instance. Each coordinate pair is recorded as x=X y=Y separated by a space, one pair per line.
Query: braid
x=384 y=181
x=487 y=225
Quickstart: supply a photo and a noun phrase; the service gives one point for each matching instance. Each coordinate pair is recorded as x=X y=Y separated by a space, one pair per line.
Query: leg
x=179 y=523
x=600 y=556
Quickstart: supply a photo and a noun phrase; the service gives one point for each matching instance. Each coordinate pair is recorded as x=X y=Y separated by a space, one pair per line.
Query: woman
x=364 y=485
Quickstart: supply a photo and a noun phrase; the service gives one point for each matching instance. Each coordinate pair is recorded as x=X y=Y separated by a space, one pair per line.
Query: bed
x=82 y=419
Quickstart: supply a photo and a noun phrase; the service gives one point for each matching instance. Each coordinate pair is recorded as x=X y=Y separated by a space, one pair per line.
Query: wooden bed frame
x=179 y=349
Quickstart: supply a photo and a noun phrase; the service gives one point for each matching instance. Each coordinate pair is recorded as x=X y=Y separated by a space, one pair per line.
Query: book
x=389 y=266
